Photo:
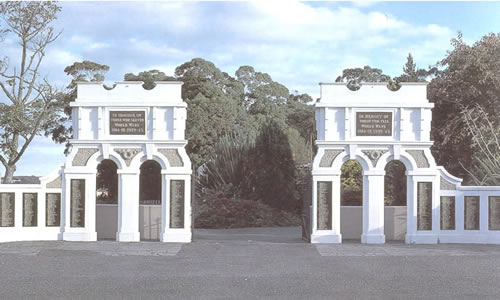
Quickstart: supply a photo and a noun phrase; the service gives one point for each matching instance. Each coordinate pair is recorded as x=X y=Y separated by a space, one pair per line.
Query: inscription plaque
x=53 y=209
x=375 y=123
x=127 y=122
x=30 y=211
x=77 y=203
x=7 y=209
x=324 y=205
x=471 y=212
x=447 y=213
x=494 y=213
x=176 y=203
x=424 y=206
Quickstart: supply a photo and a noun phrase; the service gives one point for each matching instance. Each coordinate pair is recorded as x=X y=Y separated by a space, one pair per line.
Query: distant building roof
x=25 y=179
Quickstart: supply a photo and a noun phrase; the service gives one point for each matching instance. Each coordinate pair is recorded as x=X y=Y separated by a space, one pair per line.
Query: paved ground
x=247 y=264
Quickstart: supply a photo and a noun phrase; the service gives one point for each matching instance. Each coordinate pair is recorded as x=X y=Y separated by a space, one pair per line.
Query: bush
x=217 y=209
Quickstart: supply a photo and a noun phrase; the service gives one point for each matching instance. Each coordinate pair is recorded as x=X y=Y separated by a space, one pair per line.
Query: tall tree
x=149 y=78
x=84 y=71
x=413 y=74
x=27 y=105
x=469 y=77
x=214 y=107
x=274 y=167
x=354 y=77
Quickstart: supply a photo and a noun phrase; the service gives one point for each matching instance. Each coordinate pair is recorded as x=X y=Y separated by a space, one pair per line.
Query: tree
x=469 y=77
x=274 y=168
x=32 y=108
x=84 y=71
x=149 y=78
x=411 y=73
x=356 y=76
x=214 y=107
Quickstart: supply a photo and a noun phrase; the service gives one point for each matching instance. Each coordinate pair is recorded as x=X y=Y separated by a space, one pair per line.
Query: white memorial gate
x=374 y=125
x=128 y=125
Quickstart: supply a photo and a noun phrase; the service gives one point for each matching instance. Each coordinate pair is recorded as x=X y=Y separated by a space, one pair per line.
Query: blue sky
x=298 y=43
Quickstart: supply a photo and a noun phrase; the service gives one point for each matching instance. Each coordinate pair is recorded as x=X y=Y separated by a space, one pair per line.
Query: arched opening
x=150 y=191
x=351 y=200
x=106 y=200
x=395 y=201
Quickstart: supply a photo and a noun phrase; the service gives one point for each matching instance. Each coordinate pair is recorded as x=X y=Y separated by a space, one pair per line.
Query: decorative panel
x=173 y=157
x=82 y=156
x=494 y=213
x=7 y=209
x=53 y=210
x=30 y=209
x=176 y=203
x=447 y=213
x=329 y=157
x=324 y=206
x=471 y=212
x=77 y=217
x=446 y=185
x=420 y=159
x=424 y=206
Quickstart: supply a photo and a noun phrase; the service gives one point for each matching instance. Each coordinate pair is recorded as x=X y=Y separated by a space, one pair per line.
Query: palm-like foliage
x=227 y=168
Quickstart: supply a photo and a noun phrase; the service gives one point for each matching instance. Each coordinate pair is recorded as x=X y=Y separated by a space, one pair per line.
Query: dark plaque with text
x=375 y=123
x=177 y=204
x=447 y=213
x=127 y=122
x=471 y=212
x=324 y=205
x=30 y=209
x=7 y=205
x=77 y=203
x=53 y=209
x=494 y=213
x=424 y=206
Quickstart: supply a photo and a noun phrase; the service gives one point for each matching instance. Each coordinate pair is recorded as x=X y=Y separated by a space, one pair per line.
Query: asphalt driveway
x=247 y=264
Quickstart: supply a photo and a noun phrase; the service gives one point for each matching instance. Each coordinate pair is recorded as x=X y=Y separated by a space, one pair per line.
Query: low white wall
x=149 y=221
x=351 y=219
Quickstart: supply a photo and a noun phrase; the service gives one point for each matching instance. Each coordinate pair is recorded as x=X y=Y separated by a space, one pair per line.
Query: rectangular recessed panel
x=177 y=204
x=447 y=213
x=30 y=209
x=7 y=209
x=127 y=122
x=77 y=203
x=494 y=213
x=374 y=123
x=424 y=206
x=53 y=210
x=324 y=205
x=471 y=212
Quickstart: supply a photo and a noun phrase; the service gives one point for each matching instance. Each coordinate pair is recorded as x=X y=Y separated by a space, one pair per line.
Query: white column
x=411 y=209
x=128 y=207
x=333 y=235
x=373 y=207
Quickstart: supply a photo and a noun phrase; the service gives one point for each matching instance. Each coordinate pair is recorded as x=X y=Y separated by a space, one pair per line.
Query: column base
x=176 y=236
x=128 y=236
x=421 y=239
x=321 y=238
x=373 y=239
x=80 y=236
